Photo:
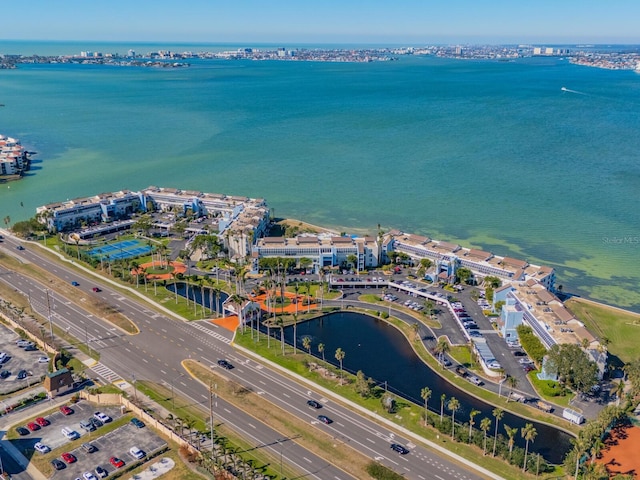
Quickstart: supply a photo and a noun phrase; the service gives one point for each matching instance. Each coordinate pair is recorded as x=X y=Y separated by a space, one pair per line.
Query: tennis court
x=120 y=250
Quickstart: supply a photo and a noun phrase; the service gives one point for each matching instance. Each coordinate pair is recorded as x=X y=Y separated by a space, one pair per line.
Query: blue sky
x=325 y=21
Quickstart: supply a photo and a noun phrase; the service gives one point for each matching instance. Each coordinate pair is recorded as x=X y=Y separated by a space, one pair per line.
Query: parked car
x=69 y=457
x=88 y=447
x=22 y=431
x=89 y=476
x=225 y=364
x=314 y=404
x=43 y=359
x=23 y=343
x=22 y=374
x=66 y=410
x=33 y=426
x=116 y=462
x=5 y=374
x=69 y=433
x=43 y=422
x=101 y=472
x=58 y=464
x=325 y=419
x=41 y=447
x=102 y=417
x=136 y=452
x=87 y=425
x=95 y=422
x=399 y=448
x=136 y=422
x=30 y=348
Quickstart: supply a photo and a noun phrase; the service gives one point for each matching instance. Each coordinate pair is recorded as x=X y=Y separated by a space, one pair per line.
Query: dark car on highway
x=225 y=364
x=314 y=404
x=325 y=419
x=399 y=448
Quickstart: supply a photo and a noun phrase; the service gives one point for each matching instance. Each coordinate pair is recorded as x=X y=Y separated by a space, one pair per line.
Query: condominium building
x=240 y=220
x=448 y=257
x=324 y=250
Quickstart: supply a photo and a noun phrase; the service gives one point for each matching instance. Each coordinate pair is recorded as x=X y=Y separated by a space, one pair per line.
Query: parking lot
x=115 y=443
x=19 y=359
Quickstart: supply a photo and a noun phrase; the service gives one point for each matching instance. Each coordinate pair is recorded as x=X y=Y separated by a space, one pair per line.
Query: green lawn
x=621 y=328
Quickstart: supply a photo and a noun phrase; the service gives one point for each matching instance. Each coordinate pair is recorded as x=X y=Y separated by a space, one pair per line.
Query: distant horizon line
x=263 y=42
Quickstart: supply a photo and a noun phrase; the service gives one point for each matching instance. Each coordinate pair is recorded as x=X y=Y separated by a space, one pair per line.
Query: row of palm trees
x=528 y=432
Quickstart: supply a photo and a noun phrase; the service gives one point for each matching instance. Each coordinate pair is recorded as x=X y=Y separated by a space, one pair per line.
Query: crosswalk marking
x=210 y=332
x=105 y=372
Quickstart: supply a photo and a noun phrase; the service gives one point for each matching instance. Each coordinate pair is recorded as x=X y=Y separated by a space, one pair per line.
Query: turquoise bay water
x=490 y=154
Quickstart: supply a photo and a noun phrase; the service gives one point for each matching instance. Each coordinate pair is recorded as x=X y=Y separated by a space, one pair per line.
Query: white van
x=69 y=433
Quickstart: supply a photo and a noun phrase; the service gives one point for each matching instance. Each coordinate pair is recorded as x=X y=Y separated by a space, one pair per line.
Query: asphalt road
x=155 y=354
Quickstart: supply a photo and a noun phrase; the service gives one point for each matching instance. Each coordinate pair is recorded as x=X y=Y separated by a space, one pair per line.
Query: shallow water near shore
x=489 y=154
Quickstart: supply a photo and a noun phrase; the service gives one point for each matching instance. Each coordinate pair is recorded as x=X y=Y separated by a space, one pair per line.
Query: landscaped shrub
x=380 y=472
x=531 y=344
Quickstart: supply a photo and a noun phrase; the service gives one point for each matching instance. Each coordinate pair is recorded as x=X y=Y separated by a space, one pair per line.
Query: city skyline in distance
x=330 y=21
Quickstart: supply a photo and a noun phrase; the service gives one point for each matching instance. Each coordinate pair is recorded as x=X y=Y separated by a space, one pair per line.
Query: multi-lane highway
x=163 y=342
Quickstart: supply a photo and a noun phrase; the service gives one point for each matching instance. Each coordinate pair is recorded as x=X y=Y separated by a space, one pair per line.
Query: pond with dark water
x=383 y=353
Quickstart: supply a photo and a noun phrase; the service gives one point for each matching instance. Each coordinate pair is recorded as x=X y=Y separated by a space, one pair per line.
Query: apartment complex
x=13 y=158
x=324 y=250
x=448 y=257
x=239 y=220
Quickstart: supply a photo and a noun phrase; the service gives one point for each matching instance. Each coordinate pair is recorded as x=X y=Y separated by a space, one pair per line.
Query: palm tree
x=513 y=383
x=441 y=348
x=498 y=414
x=529 y=434
x=579 y=446
x=511 y=433
x=281 y=325
x=453 y=405
x=295 y=339
x=306 y=343
x=596 y=448
x=415 y=327
x=443 y=397
x=425 y=393
x=472 y=414
x=133 y=265
x=619 y=391
x=340 y=356
x=485 y=425
x=321 y=350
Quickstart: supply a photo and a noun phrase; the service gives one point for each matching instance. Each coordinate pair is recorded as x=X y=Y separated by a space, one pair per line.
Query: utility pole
x=211 y=415
x=135 y=390
x=49 y=316
x=86 y=338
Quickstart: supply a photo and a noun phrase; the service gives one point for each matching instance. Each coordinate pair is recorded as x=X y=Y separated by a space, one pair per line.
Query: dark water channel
x=383 y=353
